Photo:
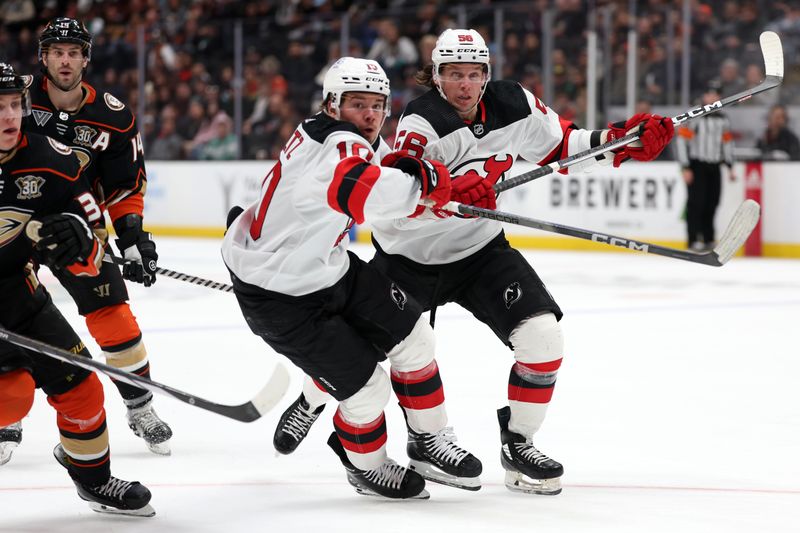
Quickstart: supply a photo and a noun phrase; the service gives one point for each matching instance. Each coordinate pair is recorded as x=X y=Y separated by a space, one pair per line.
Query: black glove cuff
x=412 y=166
x=128 y=228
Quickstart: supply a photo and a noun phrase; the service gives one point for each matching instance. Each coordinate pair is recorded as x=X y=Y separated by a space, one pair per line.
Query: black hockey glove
x=138 y=248
x=64 y=239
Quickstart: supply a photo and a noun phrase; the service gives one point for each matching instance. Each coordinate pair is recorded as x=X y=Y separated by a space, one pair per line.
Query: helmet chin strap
x=55 y=83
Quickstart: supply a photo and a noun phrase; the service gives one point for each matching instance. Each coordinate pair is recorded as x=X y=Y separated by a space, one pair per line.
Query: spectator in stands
x=189 y=124
x=655 y=75
x=298 y=69
x=168 y=145
x=392 y=50
x=189 y=48
x=205 y=133
x=222 y=146
x=778 y=141
x=730 y=80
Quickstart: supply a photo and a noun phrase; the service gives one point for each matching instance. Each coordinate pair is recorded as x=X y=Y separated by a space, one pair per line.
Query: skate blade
x=364 y=491
x=518 y=482
x=424 y=495
x=147 y=511
x=161 y=448
x=431 y=473
x=6 y=449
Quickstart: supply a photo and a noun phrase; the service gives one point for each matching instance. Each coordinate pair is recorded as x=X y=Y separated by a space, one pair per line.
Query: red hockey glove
x=471 y=189
x=433 y=177
x=654 y=136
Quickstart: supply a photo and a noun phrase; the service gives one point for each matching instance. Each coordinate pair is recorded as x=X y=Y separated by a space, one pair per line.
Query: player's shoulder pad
x=108 y=110
x=506 y=102
x=321 y=125
x=436 y=111
x=50 y=155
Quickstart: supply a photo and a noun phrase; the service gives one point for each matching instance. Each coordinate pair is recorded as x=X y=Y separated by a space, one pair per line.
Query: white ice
x=677 y=409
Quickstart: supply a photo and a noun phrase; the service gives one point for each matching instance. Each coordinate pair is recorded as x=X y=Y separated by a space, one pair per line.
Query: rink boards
x=639 y=201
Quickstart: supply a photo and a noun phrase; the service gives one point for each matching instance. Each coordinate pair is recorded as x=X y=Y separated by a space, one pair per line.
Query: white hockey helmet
x=460 y=46
x=352 y=74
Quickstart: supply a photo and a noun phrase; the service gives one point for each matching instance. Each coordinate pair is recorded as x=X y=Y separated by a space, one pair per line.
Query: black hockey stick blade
x=266 y=399
x=734 y=236
x=772 y=52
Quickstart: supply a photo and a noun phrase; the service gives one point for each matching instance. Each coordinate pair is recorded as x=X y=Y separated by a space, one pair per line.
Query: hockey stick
x=773 y=67
x=734 y=236
x=267 y=398
x=180 y=276
x=32 y=231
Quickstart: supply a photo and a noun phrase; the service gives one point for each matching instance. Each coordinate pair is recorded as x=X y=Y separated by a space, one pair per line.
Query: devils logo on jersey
x=512 y=294
x=493 y=169
x=398 y=296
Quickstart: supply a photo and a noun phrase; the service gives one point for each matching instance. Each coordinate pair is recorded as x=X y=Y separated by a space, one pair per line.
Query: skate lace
x=441 y=444
x=114 y=488
x=389 y=474
x=299 y=422
x=147 y=420
x=529 y=452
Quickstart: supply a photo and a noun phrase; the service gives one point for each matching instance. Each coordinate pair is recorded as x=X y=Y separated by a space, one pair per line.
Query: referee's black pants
x=702 y=201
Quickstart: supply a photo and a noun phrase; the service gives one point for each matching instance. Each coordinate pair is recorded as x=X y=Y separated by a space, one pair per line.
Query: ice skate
x=146 y=424
x=294 y=425
x=10 y=437
x=389 y=480
x=437 y=458
x=115 y=496
x=527 y=469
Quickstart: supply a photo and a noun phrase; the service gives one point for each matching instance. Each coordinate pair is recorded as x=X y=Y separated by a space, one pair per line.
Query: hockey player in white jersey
x=479 y=128
x=335 y=316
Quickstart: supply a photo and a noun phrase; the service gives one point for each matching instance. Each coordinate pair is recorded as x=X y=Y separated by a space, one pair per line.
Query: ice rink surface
x=677 y=409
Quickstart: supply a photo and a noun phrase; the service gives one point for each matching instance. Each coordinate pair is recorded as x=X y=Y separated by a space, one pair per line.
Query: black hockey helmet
x=66 y=30
x=12 y=83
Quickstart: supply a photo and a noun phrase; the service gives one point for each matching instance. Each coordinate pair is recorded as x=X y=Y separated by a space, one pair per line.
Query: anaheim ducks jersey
x=293 y=241
x=41 y=177
x=103 y=133
x=511 y=122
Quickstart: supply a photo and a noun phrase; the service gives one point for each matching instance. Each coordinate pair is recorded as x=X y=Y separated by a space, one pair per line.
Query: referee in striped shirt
x=703 y=145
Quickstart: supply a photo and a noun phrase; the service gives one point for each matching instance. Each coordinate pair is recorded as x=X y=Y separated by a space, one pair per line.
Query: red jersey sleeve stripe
x=352 y=182
x=561 y=150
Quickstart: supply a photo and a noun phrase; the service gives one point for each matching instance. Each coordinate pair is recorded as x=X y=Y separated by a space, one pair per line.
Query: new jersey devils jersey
x=293 y=240
x=41 y=177
x=103 y=133
x=511 y=122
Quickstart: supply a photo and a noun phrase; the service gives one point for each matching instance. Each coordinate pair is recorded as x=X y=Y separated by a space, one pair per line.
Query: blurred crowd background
x=227 y=79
